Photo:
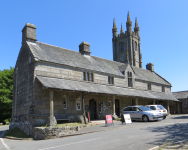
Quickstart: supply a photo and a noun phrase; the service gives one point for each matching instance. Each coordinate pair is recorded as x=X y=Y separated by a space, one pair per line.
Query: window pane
x=84 y=76
x=92 y=77
x=87 y=76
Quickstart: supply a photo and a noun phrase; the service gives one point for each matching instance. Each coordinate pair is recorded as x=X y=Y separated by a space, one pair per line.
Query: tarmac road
x=136 y=136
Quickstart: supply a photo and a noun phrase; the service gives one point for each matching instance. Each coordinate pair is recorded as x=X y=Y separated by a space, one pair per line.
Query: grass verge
x=69 y=124
x=17 y=133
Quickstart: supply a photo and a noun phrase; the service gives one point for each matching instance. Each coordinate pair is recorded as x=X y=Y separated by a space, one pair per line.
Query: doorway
x=117 y=107
x=93 y=109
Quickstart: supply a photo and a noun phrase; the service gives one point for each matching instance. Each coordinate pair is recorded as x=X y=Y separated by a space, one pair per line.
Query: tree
x=6 y=93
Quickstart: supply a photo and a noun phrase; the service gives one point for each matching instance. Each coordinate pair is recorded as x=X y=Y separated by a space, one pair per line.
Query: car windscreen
x=144 y=108
x=160 y=107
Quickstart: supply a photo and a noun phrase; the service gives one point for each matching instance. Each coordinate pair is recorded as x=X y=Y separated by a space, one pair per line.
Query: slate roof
x=65 y=84
x=181 y=94
x=146 y=75
x=72 y=58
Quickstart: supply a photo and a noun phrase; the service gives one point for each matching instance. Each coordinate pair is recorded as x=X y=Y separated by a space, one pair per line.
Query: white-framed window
x=29 y=59
x=109 y=103
x=78 y=104
x=64 y=102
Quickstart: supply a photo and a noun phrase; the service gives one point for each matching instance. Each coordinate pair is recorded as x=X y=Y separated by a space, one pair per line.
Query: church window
x=84 y=76
x=121 y=48
x=163 y=89
x=135 y=46
x=64 y=102
x=130 y=81
x=78 y=104
x=149 y=86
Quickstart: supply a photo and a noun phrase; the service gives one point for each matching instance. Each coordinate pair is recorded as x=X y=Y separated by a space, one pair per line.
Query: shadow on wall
x=176 y=132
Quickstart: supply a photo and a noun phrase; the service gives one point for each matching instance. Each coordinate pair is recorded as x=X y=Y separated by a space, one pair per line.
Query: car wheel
x=145 y=118
x=164 y=117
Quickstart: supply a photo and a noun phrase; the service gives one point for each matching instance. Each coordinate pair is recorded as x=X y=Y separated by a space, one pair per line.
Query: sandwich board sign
x=109 y=120
x=126 y=118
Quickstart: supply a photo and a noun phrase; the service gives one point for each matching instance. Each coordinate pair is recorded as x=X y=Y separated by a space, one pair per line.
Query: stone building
x=183 y=97
x=53 y=83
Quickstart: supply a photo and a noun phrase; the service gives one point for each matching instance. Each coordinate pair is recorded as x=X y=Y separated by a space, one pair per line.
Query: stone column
x=153 y=102
x=51 y=120
x=83 y=106
x=178 y=107
x=113 y=106
x=136 y=101
x=168 y=108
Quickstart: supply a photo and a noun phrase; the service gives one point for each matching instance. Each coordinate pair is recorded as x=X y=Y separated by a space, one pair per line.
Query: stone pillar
x=83 y=106
x=136 y=101
x=178 y=107
x=51 y=120
x=113 y=106
x=168 y=108
x=153 y=102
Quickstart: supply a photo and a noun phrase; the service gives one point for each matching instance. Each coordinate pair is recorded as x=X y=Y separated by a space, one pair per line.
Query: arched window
x=64 y=102
x=121 y=48
x=130 y=81
x=135 y=46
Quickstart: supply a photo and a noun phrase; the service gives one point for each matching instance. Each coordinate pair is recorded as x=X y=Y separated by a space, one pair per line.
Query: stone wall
x=23 y=83
x=184 y=105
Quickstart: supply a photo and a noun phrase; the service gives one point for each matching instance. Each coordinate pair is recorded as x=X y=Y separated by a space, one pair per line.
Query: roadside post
x=126 y=118
x=109 y=120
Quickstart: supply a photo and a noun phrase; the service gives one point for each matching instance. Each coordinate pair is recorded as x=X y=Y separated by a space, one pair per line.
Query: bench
x=61 y=117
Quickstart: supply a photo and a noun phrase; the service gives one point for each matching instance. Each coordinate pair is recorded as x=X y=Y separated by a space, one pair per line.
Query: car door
x=136 y=113
x=127 y=110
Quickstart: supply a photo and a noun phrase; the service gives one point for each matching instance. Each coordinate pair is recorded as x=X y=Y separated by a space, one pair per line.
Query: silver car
x=142 y=113
x=160 y=108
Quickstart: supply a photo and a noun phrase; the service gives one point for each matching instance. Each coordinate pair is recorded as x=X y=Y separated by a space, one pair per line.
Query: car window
x=127 y=109
x=145 y=108
x=135 y=109
x=160 y=107
x=153 y=107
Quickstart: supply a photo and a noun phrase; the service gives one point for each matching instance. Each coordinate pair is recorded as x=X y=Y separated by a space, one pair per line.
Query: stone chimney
x=84 y=48
x=150 y=66
x=29 y=33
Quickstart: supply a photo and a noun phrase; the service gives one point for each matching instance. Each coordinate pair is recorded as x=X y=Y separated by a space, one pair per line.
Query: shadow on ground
x=180 y=117
x=176 y=132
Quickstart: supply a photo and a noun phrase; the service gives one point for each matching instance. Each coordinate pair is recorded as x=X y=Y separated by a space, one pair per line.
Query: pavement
x=170 y=133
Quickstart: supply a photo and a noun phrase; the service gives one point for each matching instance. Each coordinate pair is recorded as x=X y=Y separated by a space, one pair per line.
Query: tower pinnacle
x=129 y=22
x=114 y=24
x=136 y=28
x=122 y=29
x=114 y=29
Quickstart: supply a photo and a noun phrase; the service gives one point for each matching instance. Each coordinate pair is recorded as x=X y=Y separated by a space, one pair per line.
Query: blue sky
x=163 y=30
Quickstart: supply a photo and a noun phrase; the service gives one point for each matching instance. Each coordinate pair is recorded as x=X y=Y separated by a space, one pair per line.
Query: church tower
x=126 y=45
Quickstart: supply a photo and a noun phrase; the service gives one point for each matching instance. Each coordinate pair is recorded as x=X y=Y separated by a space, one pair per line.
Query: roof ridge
x=162 y=78
x=58 y=47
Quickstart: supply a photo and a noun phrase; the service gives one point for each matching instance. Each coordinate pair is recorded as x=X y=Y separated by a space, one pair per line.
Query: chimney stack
x=150 y=66
x=29 y=33
x=84 y=48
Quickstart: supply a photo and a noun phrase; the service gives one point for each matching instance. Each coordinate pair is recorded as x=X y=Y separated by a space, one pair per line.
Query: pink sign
x=109 y=119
